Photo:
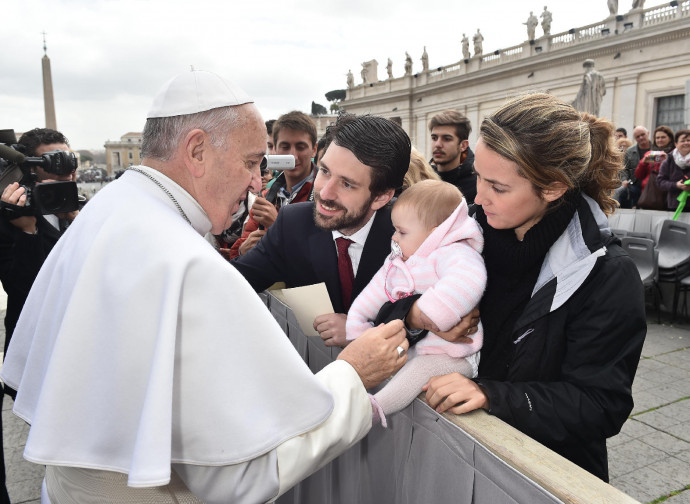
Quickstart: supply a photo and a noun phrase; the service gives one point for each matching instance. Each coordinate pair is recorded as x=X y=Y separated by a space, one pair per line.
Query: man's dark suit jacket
x=296 y=252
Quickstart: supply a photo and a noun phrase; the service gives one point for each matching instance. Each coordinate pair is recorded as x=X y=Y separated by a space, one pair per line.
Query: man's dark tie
x=347 y=277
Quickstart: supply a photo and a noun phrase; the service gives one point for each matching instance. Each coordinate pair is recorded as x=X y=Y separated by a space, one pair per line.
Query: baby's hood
x=457 y=227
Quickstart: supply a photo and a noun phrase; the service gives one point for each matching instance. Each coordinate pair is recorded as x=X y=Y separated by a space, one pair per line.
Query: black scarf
x=513 y=267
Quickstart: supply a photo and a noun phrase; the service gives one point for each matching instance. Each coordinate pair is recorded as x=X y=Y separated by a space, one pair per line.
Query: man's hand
x=15 y=195
x=264 y=213
x=460 y=333
x=251 y=241
x=331 y=328
x=374 y=354
x=455 y=393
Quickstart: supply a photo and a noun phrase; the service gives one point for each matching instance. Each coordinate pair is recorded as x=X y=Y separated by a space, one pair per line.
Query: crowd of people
x=655 y=169
x=486 y=278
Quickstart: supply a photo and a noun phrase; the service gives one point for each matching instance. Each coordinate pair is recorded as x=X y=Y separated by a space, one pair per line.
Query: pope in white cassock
x=148 y=368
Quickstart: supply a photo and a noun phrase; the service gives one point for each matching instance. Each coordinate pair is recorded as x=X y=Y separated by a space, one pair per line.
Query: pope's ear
x=554 y=191
x=196 y=151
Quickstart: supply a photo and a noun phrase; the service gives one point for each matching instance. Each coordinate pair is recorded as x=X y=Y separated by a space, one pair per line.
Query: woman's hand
x=455 y=393
x=680 y=185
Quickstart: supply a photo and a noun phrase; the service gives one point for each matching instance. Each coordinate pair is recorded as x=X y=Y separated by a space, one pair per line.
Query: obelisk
x=48 y=100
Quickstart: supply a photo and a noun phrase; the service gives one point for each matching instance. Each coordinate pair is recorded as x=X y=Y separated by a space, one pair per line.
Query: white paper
x=307 y=303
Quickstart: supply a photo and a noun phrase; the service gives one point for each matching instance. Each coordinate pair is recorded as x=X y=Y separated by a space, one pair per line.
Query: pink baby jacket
x=447 y=269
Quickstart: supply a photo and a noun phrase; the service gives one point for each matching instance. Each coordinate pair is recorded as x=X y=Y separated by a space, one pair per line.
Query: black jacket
x=296 y=252
x=21 y=257
x=462 y=177
x=576 y=347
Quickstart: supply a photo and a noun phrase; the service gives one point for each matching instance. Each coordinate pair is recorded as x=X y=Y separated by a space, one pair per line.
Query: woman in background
x=676 y=170
x=651 y=162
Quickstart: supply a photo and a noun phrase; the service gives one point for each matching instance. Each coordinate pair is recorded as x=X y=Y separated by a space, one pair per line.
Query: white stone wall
x=647 y=60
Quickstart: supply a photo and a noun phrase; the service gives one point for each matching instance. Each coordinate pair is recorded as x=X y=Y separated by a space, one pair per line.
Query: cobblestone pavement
x=648 y=460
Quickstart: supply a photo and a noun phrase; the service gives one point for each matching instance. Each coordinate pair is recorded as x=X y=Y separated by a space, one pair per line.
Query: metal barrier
x=424 y=457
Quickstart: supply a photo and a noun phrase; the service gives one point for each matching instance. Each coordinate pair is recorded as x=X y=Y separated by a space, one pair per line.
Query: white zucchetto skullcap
x=196 y=91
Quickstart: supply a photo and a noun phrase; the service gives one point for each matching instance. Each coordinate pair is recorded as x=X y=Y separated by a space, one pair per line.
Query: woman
x=623 y=144
x=676 y=169
x=563 y=312
x=651 y=162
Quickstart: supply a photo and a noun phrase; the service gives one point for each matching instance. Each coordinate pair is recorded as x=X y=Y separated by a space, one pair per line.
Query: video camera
x=277 y=162
x=42 y=198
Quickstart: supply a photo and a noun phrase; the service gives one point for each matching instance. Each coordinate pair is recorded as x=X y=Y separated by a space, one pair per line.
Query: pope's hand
x=375 y=355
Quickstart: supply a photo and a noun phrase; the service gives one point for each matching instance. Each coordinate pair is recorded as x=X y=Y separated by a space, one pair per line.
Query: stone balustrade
x=634 y=19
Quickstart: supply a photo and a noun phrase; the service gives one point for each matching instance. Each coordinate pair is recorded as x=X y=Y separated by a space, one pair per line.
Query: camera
x=42 y=198
x=277 y=162
x=656 y=156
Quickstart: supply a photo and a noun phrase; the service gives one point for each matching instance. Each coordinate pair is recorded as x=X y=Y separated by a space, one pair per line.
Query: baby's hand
x=427 y=323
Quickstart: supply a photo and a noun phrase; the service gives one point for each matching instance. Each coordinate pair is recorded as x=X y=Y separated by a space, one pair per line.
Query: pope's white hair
x=162 y=134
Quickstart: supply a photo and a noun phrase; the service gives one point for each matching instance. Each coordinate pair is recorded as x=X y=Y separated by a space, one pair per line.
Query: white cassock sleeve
x=265 y=478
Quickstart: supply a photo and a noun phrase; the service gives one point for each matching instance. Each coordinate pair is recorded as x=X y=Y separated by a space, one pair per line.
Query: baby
x=437 y=253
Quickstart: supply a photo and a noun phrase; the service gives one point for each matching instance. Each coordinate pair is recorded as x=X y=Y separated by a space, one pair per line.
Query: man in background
x=452 y=157
x=630 y=190
x=26 y=241
x=294 y=133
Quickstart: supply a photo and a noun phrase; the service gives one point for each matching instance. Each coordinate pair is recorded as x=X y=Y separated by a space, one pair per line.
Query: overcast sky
x=110 y=57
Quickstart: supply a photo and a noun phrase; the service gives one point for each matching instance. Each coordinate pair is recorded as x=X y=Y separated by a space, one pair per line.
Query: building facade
x=644 y=56
x=123 y=153
x=322 y=122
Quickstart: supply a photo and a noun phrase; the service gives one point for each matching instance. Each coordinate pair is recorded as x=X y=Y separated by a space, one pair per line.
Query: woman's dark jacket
x=669 y=174
x=576 y=346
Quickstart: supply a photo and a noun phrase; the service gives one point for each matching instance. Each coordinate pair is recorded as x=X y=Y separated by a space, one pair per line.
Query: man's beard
x=444 y=161
x=343 y=222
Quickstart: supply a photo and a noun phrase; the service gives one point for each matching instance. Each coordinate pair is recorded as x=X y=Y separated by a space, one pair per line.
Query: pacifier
x=396 y=251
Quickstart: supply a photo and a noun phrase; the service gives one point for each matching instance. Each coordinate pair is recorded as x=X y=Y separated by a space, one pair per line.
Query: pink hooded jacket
x=447 y=269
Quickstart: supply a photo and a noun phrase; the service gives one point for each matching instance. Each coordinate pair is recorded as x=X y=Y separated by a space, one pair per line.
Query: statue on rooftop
x=465 y=47
x=350 y=80
x=613 y=7
x=389 y=68
x=478 y=40
x=531 y=23
x=592 y=90
x=425 y=60
x=546 y=19
x=408 y=64
x=638 y=4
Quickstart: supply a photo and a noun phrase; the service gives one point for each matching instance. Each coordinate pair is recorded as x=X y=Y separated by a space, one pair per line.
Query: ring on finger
x=400 y=350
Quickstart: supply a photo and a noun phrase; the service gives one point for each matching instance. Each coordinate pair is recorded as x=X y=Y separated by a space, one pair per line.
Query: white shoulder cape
x=139 y=345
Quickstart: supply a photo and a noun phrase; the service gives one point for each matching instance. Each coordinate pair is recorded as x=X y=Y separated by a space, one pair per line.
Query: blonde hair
x=623 y=144
x=433 y=201
x=419 y=170
x=551 y=142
